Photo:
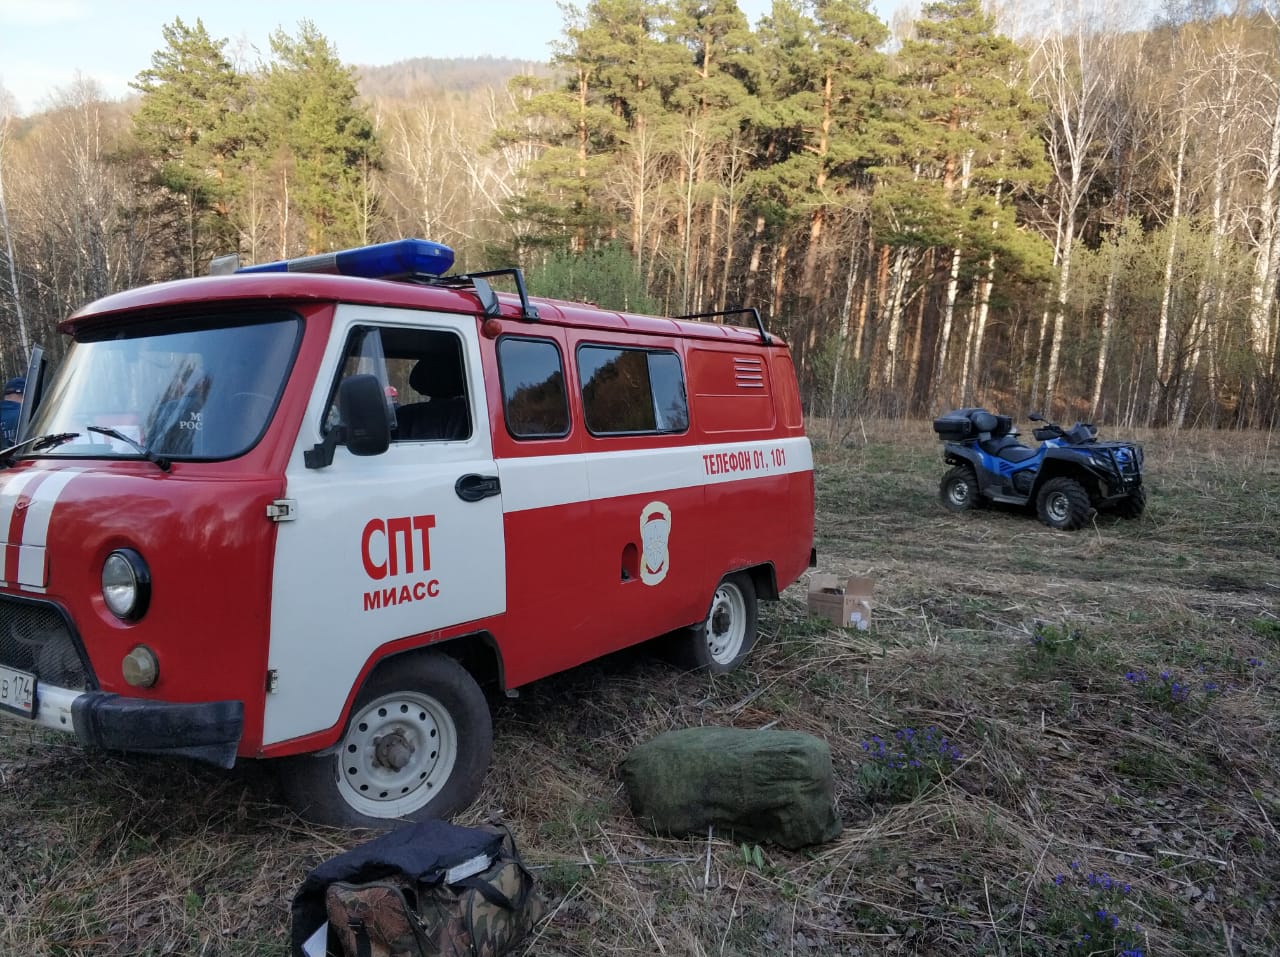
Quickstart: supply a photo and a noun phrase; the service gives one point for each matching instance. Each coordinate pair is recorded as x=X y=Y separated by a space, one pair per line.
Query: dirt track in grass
x=1113 y=696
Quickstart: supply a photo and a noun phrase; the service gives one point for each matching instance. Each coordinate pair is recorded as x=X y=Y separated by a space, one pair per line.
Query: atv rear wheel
x=1063 y=504
x=959 y=489
x=1133 y=505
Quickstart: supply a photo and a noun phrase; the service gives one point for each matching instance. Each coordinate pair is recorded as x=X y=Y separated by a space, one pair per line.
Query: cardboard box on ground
x=845 y=602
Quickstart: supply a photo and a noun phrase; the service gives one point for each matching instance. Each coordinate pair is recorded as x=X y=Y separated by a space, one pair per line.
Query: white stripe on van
x=544 y=481
x=32 y=565
x=9 y=495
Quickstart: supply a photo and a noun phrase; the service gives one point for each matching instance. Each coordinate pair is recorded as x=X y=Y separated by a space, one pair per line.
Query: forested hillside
x=1083 y=217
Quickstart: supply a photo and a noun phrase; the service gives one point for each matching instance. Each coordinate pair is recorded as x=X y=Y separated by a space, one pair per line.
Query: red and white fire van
x=307 y=510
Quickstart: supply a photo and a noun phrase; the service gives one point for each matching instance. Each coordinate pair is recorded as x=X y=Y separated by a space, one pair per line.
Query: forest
x=1058 y=207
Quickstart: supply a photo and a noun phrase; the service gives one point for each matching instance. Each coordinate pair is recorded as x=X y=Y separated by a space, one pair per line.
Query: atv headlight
x=126 y=584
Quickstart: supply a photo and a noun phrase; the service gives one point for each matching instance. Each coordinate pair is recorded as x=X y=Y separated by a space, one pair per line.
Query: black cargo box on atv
x=953 y=427
x=960 y=424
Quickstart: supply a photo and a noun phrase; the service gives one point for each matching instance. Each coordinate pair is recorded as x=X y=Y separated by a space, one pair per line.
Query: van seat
x=444 y=415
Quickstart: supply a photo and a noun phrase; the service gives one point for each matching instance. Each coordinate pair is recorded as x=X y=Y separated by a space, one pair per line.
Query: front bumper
x=207 y=731
x=1120 y=468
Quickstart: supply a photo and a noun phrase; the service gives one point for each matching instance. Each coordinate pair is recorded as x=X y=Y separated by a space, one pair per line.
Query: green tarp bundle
x=773 y=786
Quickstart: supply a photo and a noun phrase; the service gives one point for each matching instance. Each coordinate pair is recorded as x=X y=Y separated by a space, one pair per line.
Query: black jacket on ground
x=421 y=851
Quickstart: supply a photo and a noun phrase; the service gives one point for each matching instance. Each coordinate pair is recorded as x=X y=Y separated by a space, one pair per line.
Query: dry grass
x=1064 y=759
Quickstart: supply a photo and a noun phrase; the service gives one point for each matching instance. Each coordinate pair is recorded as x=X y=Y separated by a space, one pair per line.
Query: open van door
x=37 y=369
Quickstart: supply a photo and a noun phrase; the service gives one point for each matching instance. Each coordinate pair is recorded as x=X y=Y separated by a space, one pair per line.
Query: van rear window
x=632 y=390
x=534 y=401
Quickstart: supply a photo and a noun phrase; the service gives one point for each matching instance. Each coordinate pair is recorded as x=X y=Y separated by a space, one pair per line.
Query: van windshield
x=198 y=388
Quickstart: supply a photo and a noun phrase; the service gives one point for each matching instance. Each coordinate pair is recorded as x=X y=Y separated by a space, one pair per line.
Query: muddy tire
x=1063 y=504
x=1132 y=506
x=959 y=489
x=417 y=746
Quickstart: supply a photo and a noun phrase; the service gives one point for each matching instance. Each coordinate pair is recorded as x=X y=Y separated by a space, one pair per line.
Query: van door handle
x=472 y=488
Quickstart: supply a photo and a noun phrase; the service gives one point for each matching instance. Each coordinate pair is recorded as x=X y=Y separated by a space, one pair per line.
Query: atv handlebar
x=1078 y=434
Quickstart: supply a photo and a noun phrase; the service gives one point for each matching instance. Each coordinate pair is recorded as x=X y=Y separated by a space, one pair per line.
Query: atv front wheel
x=1063 y=504
x=1133 y=505
x=959 y=489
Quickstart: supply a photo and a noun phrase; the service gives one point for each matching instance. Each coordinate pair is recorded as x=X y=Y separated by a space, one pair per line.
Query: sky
x=44 y=44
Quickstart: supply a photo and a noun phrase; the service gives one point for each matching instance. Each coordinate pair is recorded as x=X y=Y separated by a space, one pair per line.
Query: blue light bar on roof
x=394 y=260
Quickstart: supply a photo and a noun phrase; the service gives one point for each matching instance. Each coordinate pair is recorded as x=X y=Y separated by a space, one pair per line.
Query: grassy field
x=1111 y=700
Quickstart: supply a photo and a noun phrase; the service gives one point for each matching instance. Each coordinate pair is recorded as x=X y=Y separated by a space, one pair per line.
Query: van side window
x=423 y=377
x=632 y=390
x=534 y=401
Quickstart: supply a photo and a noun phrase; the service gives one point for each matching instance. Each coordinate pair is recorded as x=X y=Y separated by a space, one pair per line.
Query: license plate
x=18 y=692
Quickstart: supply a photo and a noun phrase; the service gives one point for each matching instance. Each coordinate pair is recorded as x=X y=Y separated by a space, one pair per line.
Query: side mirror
x=363 y=406
x=365 y=430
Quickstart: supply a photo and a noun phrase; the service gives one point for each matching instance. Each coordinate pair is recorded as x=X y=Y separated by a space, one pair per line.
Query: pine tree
x=823 y=65
x=959 y=143
x=579 y=124
x=822 y=71
x=711 y=111
x=327 y=150
x=185 y=122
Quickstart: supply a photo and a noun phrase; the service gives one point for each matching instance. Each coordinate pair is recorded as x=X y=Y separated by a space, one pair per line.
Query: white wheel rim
x=397 y=754
x=726 y=624
x=959 y=492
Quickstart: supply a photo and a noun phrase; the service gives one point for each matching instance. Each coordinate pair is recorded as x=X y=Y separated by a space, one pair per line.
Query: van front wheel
x=723 y=640
x=417 y=747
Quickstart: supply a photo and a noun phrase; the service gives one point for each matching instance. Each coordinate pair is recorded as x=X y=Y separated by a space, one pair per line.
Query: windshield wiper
x=161 y=462
x=36 y=443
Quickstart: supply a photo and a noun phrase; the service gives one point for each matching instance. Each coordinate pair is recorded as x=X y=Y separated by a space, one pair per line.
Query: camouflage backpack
x=482 y=910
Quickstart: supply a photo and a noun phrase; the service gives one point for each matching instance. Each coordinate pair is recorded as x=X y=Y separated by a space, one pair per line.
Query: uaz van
x=307 y=510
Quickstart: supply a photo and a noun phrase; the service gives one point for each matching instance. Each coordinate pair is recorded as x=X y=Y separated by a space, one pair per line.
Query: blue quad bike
x=1069 y=476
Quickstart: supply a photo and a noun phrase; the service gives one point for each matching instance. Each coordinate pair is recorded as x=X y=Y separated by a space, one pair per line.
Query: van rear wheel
x=417 y=747
x=721 y=642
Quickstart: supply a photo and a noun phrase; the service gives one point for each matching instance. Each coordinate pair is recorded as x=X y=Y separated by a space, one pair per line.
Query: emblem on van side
x=655 y=529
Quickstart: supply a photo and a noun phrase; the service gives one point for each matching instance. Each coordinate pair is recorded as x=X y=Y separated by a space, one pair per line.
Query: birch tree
x=15 y=291
x=1073 y=75
x=1265 y=156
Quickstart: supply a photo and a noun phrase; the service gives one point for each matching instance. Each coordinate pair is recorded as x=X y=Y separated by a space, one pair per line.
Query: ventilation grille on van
x=748 y=372
x=35 y=638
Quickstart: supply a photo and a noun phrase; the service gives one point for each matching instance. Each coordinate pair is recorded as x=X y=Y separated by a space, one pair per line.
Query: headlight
x=126 y=584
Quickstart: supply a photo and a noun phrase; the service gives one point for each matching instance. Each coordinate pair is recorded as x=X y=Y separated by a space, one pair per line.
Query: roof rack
x=755 y=314
x=479 y=282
